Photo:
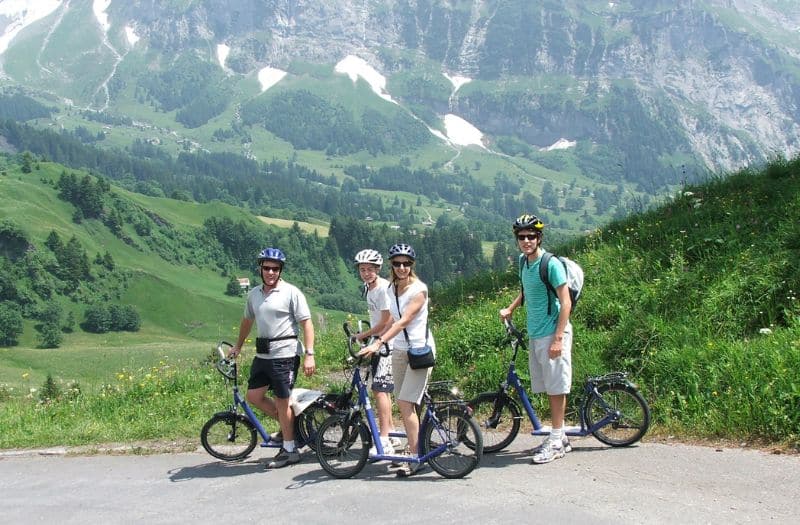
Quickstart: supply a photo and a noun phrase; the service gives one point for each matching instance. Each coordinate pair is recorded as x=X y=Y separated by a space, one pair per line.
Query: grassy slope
x=677 y=297
x=698 y=300
x=183 y=308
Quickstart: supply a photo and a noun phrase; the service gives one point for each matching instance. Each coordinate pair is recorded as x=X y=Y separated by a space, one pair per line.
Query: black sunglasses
x=274 y=269
x=405 y=264
x=527 y=237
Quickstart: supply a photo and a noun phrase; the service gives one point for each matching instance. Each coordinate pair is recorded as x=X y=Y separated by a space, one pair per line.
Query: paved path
x=649 y=483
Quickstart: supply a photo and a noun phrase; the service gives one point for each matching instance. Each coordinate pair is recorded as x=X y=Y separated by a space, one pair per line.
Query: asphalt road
x=648 y=483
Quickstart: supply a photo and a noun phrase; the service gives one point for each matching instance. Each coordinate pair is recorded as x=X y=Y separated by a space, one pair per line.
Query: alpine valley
x=643 y=94
x=347 y=123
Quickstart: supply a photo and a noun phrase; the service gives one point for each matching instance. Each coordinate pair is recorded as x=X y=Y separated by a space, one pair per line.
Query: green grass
x=308 y=227
x=698 y=300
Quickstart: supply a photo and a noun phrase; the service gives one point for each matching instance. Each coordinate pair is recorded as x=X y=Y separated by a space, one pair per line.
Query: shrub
x=10 y=324
x=50 y=391
x=97 y=319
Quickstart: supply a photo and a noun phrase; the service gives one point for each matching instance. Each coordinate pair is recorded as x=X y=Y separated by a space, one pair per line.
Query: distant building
x=244 y=283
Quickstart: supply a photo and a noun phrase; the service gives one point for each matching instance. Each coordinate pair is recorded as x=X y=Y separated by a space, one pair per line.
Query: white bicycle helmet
x=368 y=256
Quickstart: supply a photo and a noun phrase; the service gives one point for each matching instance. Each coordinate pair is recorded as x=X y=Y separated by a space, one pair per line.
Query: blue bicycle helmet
x=402 y=249
x=271 y=254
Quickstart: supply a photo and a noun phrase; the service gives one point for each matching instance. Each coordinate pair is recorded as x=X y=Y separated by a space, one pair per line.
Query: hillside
x=172 y=260
x=585 y=111
x=698 y=299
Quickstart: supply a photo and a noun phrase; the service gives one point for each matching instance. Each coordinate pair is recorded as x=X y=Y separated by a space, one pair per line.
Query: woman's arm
x=413 y=308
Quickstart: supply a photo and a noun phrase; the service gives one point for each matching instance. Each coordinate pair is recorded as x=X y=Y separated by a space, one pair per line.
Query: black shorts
x=277 y=375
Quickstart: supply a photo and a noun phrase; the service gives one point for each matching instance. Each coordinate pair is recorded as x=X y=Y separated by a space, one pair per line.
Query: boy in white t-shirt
x=369 y=264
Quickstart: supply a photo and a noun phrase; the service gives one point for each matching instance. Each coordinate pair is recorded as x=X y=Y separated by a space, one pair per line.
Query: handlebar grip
x=511 y=328
x=349 y=333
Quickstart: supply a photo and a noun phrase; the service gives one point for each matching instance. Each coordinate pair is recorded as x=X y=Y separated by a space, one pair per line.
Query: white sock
x=288 y=446
x=557 y=435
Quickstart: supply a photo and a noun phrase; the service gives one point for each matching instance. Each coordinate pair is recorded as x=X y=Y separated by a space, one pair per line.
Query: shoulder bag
x=421 y=356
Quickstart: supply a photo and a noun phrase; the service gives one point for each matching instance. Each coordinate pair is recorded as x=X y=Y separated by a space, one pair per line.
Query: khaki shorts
x=409 y=385
x=551 y=376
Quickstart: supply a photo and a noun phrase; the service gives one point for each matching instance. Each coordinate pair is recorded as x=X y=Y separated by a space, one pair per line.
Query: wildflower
x=765 y=331
x=25 y=375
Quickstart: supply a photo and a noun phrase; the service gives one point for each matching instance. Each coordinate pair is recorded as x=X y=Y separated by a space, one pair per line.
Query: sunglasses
x=274 y=269
x=402 y=264
x=527 y=237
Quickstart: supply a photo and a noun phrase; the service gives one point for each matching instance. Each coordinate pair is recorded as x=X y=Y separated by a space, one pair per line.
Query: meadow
x=697 y=300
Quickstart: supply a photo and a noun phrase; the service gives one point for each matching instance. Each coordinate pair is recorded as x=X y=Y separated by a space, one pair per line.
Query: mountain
x=609 y=102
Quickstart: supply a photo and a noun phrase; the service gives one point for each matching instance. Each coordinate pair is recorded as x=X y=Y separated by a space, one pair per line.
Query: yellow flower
x=25 y=375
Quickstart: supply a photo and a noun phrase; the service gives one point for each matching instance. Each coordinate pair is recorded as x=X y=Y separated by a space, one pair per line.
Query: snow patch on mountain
x=457 y=81
x=561 y=143
x=99 y=9
x=222 y=54
x=355 y=67
x=21 y=14
x=462 y=133
x=269 y=76
x=131 y=35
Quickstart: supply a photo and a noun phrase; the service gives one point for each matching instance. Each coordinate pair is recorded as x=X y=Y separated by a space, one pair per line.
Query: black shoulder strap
x=523 y=259
x=543 y=275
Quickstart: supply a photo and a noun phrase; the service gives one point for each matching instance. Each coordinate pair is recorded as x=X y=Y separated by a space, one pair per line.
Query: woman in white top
x=408 y=306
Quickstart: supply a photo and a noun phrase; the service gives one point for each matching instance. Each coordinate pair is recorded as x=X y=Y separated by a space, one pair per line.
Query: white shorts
x=550 y=376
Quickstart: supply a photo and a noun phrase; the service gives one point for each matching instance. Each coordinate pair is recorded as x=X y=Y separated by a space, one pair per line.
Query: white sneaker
x=550 y=451
x=565 y=444
x=388 y=448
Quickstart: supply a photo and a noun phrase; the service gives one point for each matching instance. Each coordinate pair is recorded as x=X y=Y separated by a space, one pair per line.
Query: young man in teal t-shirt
x=550 y=335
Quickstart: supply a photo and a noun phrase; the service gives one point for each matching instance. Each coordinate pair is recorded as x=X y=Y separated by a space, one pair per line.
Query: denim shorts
x=277 y=375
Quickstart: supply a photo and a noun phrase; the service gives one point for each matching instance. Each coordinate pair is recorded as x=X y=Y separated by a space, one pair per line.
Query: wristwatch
x=310 y=351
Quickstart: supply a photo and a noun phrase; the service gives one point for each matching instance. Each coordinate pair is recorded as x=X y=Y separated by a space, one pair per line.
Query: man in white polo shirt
x=278 y=309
